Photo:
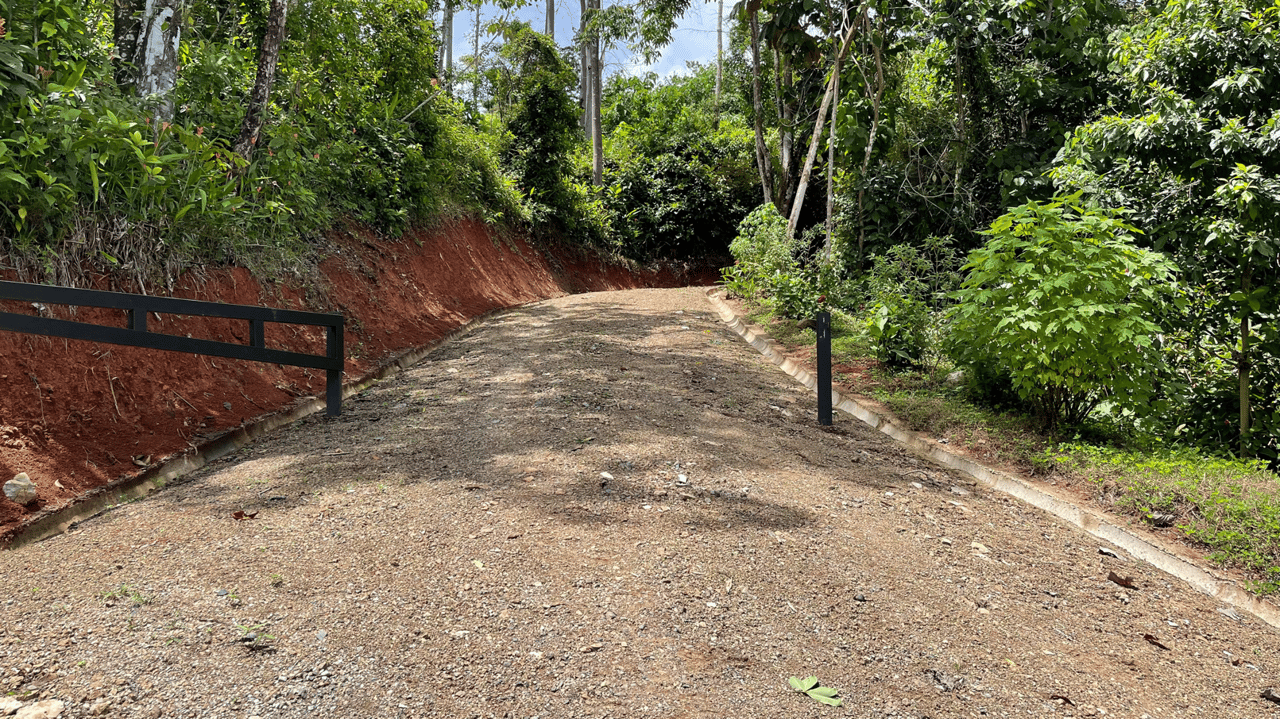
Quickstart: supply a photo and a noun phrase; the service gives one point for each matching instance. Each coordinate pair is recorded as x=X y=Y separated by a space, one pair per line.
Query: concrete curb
x=102 y=499
x=1163 y=558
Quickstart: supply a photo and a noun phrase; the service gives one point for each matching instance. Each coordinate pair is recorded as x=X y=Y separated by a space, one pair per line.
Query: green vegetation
x=1231 y=506
x=125 y=593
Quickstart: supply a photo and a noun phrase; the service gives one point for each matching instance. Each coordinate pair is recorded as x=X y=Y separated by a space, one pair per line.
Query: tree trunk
x=597 y=97
x=551 y=20
x=877 y=96
x=831 y=167
x=475 y=63
x=788 y=104
x=126 y=29
x=762 y=151
x=255 y=115
x=1243 y=367
x=961 y=141
x=719 y=59
x=448 y=46
x=155 y=55
x=585 y=85
x=817 y=137
x=597 y=92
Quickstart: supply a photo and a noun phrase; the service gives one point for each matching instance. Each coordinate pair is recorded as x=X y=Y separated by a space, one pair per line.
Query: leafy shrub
x=761 y=252
x=899 y=329
x=1061 y=298
x=905 y=291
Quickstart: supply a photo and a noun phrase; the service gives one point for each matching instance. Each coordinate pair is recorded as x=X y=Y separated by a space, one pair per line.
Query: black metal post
x=257 y=333
x=138 y=320
x=824 y=368
x=333 y=377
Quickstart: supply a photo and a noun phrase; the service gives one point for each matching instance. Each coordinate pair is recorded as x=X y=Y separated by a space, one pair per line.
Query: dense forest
x=1076 y=202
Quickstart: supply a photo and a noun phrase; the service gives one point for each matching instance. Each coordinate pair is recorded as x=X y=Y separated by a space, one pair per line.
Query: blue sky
x=693 y=40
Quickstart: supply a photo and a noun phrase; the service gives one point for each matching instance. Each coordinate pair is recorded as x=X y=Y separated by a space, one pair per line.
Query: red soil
x=75 y=414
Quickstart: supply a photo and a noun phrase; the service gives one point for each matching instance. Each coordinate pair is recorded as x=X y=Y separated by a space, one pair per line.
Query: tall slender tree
x=255 y=115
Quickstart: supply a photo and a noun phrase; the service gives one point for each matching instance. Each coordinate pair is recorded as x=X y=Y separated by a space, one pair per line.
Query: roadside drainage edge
x=128 y=489
x=1162 y=558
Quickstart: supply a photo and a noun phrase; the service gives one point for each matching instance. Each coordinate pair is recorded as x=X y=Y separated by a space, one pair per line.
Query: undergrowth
x=1230 y=506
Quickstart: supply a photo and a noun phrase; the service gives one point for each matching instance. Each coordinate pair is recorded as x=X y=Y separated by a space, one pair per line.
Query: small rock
x=1161 y=519
x=8 y=705
x=1270 y=695
x=960 y=492
x=592 y=648
x=20 y=489
x=100 y=707
x=606 y=476
x=946 y=541
x=47 y=709
x=982 y=548
x=153 y=713
x=1231 y=613
x=1107 y=552
x=226 y=406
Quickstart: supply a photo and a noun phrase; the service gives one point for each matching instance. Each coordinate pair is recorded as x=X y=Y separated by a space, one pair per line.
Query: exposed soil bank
x=76 y=415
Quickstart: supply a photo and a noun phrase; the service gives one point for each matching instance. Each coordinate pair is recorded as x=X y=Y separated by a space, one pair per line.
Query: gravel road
x=603 y=505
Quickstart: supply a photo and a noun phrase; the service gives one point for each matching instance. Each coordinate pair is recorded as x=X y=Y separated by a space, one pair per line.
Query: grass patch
x=1231 y=506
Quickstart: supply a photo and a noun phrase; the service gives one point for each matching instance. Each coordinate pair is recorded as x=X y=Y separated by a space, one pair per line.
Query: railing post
x=824 y=367
x=333 y=377
x=138 y=320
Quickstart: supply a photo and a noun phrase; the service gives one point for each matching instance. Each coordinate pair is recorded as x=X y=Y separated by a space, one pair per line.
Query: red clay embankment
x=77 y=415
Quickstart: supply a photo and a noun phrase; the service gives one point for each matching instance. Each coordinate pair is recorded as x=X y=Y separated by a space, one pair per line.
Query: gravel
x=602 y=505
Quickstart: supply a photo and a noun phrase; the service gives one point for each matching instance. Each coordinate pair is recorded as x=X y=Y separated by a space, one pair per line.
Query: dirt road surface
x=603 y=505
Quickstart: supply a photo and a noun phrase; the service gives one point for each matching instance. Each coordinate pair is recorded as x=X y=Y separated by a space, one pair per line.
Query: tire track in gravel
x=602 y=505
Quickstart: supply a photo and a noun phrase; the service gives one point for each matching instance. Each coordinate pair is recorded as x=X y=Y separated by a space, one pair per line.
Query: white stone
x=8 y=705
x=47 y=709
x=20 y=489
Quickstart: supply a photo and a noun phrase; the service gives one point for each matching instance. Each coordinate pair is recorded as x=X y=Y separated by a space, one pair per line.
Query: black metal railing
x=137 y=335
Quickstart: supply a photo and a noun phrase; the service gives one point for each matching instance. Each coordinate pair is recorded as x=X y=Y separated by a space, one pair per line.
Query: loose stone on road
x=603 y=505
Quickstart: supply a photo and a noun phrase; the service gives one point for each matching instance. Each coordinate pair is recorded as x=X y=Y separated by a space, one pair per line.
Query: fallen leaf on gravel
x=1270 y=695
x=1061 y=698
x=240 y=515
x=1108 y=552
x=58 y=484
x=1154 y=641
x=1126 y=582
x=141 y=460
x=809 y=686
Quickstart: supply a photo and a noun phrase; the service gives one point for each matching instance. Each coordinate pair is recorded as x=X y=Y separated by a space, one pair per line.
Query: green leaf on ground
x=820 y=694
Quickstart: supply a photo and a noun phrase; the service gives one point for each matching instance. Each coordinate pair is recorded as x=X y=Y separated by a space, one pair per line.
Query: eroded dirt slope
x=452 y=547
x=74 y=415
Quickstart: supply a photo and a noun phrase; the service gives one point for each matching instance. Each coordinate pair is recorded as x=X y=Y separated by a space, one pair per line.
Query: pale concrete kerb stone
x=1162 y=557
